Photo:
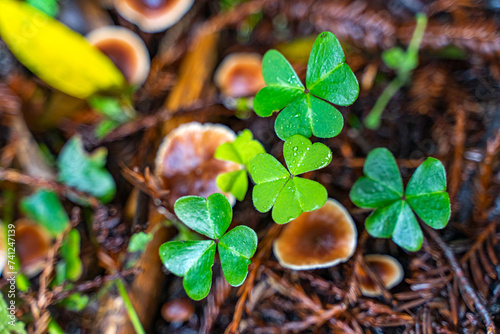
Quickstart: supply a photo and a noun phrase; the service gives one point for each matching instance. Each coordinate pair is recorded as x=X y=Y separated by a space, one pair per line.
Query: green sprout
x=404 y=63
x=307 y=110
x=70 y=266
x=86 y=172
x=242 y=151
x=115 y=111
x=193 y=259
x=382 y=189
x=281 y=189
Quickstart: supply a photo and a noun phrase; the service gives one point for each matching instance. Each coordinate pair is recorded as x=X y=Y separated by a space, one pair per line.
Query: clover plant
x=193 y=259
x=281 y=189
x=242 y=150
x=381 y=188
x=306 y=110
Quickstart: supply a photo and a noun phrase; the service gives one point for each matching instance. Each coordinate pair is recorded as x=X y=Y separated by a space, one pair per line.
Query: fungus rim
x=351 y=245
x=33 y=269
x=196 y=127
x=153 y=23
x=392 y=282
x=143 y=63
x=229 y=63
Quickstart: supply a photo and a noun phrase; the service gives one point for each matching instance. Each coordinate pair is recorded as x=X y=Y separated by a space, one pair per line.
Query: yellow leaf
x=56 y=54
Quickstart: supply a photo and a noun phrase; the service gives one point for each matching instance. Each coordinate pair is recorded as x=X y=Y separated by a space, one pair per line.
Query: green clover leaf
x=210 y=217
x=382 y=189
x=236 y=248
x=426 y=193
x=242 y=150
x=281 y=189
x=307 y=111
x=193 y=259
x=45 y=208
x=86 y=172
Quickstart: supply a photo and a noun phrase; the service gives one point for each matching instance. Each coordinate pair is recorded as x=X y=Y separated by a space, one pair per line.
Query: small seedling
x=115 y=111
x=86 y=172
x=280 y=189
x=70 y=266
x=194 y=259
x=242 y=151
x=306 y=110
x=382 y=189
x=404 y=63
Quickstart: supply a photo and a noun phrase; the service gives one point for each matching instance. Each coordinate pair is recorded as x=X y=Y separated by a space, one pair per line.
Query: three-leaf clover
x=306 y=110
x=280 y=189
x=382 y=189
x=242 y=150
x=86 y=172
x=194 y=259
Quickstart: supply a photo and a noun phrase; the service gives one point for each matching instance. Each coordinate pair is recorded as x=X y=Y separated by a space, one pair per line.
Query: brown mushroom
x=388 y=269
x=317 y=239
x=240 y=75
x=185 y=160
x=32 y=245
x=177 y=310
x=125 y=49
x=153 y=15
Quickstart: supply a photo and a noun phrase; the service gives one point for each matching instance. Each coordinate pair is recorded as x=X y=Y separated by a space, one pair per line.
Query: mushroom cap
x=387 y=268
x=153 y=15
x=177 y=310
x=317 y=239
x=240 y=74
x=32 y=244
x=125 y=49
x=185 y=160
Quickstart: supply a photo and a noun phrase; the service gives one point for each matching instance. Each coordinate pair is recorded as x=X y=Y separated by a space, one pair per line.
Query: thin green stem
x=418 y=34
x=372 y=121
x=130 y=308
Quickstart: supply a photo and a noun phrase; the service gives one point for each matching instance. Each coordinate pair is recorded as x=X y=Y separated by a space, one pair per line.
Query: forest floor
x=450 y=109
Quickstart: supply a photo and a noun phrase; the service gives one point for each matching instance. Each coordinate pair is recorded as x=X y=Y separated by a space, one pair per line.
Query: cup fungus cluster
x=153 y=15
x=388 y=269
x=185 y=160
x=32 y=244
x=125 y=49
x=317 y=239
x=240 y=75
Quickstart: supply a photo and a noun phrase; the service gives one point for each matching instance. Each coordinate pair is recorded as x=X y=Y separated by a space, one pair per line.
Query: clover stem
x=372 y=121
x=134 y=318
